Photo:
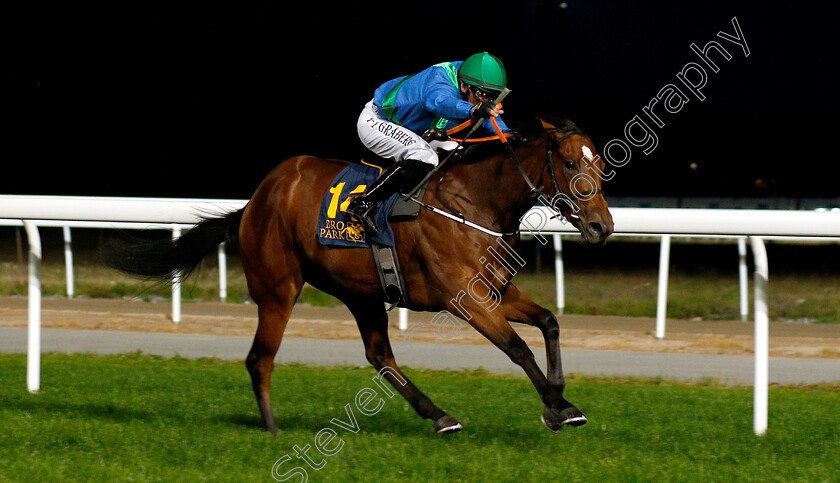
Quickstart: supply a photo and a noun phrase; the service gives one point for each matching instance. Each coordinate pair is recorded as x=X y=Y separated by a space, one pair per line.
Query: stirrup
x=363 y=210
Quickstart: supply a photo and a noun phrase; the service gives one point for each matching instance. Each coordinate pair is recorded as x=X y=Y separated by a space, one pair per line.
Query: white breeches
x=390 y=140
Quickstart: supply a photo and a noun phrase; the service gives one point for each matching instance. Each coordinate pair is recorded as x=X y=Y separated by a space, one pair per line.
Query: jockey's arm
x=443 y=99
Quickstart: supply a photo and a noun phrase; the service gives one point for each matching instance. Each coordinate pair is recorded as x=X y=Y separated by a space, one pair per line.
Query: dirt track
x=577 y=331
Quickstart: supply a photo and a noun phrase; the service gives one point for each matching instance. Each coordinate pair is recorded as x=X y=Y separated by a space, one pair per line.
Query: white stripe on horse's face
x=586 y=153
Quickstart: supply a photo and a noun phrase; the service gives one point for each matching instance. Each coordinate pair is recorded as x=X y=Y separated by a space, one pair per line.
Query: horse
x=276 y=233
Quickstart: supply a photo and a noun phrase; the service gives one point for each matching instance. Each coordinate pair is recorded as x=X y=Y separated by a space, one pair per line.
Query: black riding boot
x=402 y=175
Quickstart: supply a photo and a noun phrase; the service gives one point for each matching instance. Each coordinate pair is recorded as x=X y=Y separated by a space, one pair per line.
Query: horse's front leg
x=494 y=325
x=517 y=307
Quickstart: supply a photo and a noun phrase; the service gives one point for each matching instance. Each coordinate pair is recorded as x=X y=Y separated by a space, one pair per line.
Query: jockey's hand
x=485 y=109
x=434 y=135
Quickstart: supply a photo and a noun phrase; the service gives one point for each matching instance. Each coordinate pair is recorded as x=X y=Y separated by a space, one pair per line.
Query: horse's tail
x=163 y=259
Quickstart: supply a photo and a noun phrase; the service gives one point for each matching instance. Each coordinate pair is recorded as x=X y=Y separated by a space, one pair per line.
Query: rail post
x=33 y=339
x=403 y=320
x=68 y=261
x=761 y=336
x=558 y=274
x=743 y=278
x=176 y=284
x=662 y=291
x=222 y=273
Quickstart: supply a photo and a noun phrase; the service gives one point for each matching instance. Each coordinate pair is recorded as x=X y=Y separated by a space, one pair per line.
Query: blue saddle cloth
x=335 y=226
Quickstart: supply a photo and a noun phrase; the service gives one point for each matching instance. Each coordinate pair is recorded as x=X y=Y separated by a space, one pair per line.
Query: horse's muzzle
x=595 y=227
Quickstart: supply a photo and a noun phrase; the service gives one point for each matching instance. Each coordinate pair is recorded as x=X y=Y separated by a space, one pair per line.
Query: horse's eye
x=569 y=164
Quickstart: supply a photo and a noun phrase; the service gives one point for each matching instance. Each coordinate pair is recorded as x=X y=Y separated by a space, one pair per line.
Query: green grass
x=96 y=281
x=813 y=298
x=147 y=418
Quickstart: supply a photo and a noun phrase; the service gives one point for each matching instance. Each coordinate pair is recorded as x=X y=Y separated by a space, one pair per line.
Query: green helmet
x=483 y=70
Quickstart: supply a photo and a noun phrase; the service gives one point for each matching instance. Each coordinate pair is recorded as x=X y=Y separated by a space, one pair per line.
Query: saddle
x=337 y=228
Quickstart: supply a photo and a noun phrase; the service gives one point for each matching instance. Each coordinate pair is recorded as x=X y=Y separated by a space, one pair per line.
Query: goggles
x=483 y=94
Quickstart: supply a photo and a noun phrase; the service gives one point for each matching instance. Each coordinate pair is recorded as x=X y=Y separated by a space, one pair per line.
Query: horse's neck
x=494 y=189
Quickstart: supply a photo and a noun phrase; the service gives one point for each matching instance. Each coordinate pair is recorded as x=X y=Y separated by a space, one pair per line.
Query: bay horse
x=439 y=257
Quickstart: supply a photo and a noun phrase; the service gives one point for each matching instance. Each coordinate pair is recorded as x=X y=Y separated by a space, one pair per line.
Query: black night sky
x=202 y=99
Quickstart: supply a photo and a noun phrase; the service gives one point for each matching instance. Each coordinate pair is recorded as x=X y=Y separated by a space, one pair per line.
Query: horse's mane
x=535 y=128
x=475 y=152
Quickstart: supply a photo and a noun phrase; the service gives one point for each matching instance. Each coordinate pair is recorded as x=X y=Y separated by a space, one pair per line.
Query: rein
x=549 y=161
x=469 y=122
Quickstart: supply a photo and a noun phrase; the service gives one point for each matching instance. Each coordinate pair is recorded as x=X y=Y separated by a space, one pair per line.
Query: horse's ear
x=547 y=125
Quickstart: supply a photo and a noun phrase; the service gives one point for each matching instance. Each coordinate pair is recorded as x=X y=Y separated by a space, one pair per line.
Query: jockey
x=408 y=112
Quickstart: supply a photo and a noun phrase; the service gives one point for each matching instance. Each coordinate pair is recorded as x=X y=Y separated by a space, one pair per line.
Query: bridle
x=535 y=191
x=549 y=161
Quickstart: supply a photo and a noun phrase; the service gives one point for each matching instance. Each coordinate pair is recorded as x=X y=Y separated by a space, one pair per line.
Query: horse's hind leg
x=373 y=325
x=274 y=313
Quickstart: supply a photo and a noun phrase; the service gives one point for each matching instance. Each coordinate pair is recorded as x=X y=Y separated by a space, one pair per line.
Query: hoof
x=554 y=420
x=447 y=424
x=572 y=416
x=550 y=420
